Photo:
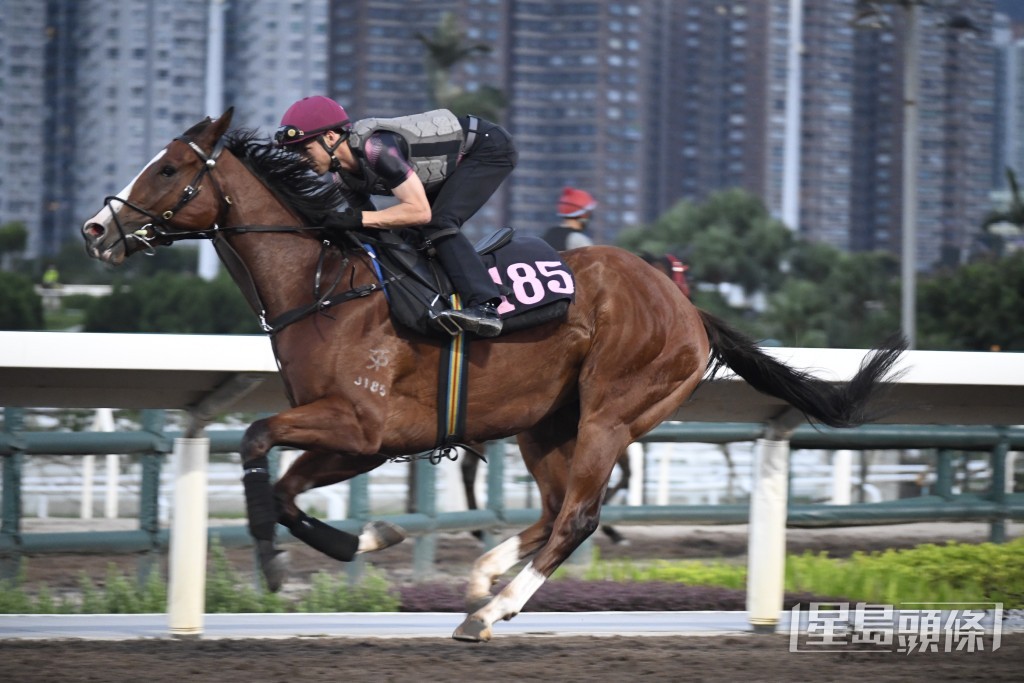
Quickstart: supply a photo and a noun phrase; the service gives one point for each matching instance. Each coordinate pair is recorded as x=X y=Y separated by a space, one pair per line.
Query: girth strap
x=452 y=385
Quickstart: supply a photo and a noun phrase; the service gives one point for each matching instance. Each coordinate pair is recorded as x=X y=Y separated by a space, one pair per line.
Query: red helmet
x=309 y=117
x=574 y=203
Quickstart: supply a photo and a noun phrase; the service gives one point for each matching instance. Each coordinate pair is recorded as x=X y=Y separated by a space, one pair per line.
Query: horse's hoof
x=476 y=604
x=472 y=631
x=383 y=535
x=274 y=564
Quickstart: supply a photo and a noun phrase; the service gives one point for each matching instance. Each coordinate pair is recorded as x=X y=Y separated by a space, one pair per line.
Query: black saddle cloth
x=536 y=284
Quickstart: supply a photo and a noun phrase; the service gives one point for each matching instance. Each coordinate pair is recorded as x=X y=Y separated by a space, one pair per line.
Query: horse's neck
x=282 y=265
x=288 y=269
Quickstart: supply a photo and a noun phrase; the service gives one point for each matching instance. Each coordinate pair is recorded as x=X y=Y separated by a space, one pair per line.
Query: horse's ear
x=218 y=126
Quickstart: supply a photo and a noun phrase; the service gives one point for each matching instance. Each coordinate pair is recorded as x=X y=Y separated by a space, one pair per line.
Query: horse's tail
x=836 y=405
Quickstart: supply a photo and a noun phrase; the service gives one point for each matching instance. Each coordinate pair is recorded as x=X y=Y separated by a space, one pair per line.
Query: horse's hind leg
x=550 y=476
x=611 y=418
x=544 y=453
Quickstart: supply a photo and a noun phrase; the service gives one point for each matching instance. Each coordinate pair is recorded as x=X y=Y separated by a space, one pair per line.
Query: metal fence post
x=10 y=522
x=149 y=494
x=358 y=510
x=944 y=473
x=425 y=497
x=997 y=530
x=495 y=488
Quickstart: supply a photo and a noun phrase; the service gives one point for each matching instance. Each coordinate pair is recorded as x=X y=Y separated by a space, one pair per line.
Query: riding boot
x=476 y=289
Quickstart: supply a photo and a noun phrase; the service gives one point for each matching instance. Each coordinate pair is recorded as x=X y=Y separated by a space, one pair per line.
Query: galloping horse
x=576 y=392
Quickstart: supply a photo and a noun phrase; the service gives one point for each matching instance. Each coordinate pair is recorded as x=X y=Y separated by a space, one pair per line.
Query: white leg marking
x=510 y=601
x=368 y=540
x=490 y=566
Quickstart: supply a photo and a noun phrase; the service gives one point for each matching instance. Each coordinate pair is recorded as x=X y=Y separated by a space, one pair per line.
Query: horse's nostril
x=94 y=230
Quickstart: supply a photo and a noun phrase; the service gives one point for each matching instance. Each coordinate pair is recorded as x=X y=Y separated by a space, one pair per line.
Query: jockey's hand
x=349 y=219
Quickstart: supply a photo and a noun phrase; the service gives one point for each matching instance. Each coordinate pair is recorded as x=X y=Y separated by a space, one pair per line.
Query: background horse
x=671 y=266
x=576 y=392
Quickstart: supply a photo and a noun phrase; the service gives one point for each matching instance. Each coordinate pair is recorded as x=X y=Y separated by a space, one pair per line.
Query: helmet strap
x=335 y=166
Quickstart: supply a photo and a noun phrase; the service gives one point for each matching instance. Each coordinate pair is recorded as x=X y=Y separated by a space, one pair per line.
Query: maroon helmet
x=309 y=117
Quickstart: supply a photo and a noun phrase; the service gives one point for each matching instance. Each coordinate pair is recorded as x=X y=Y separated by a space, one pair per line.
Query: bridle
x=159 y=228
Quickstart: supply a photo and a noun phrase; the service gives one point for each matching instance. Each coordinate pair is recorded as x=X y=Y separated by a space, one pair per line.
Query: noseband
x=159 y=225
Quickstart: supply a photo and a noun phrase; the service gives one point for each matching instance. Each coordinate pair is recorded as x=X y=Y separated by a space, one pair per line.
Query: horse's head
x=166 y=200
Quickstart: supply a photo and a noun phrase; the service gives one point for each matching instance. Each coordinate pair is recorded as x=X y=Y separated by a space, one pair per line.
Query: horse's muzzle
x=99 y=246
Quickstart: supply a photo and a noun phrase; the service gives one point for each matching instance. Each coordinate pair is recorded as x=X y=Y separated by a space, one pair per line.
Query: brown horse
x=471 y=464
x=576 y=392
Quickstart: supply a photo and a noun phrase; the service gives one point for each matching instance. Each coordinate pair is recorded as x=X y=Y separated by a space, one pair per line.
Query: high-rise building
x=140 y=82
x=955 y=106
x=275 y=53
x=640 y=102
x=1008 y=128
x=60 y=110
x=709 y=103
x=22 y=82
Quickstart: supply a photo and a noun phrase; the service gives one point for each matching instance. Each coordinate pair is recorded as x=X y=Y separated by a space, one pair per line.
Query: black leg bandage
x=330 y=541
x=259 y=499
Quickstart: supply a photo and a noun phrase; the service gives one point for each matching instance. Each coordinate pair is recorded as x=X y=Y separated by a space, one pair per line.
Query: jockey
x=575 y=208
x=440 y=168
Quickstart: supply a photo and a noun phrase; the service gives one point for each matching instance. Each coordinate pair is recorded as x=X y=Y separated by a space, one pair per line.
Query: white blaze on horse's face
x=101 y=229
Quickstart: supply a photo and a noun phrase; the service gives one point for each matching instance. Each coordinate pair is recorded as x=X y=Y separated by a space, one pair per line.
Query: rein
x=159 y=228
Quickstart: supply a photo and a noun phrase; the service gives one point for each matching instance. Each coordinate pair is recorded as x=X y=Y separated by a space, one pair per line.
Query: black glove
x=349 y=219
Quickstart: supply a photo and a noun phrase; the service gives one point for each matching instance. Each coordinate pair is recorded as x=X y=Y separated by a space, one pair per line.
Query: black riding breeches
x=478 y=175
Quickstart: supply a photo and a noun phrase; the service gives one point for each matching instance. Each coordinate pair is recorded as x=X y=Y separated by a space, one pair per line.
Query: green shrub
x=692 y=573
x=335 y=594
x=226 y=592
x=954 y=572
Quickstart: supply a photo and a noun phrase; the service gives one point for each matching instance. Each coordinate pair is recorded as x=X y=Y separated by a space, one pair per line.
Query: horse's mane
x=285 y=173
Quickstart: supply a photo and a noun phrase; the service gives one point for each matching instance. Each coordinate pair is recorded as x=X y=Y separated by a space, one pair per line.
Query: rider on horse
x=575 y=208
x=441 y=169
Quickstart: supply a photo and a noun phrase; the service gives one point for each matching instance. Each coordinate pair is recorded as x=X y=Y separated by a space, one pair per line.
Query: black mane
x=286 y=173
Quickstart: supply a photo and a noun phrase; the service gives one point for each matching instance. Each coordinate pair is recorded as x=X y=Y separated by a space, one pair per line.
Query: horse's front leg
x=315 y=469
x=302 y=426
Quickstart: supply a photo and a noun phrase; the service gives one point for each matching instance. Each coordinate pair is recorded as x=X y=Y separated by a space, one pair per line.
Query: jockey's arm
x=412 y=209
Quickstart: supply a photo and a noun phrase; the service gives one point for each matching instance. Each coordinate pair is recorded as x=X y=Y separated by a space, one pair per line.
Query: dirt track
x=734 y=658
x=723 y=658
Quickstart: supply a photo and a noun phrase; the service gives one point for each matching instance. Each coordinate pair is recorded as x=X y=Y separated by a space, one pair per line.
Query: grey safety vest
x=433 y=140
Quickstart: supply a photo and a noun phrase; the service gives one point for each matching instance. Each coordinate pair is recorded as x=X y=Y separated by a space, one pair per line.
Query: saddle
x=536 y=284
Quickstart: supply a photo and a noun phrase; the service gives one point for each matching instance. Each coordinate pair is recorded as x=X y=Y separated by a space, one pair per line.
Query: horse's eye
x=168 y=171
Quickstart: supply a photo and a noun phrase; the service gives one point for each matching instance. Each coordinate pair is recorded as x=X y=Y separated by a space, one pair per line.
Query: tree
x=171 y=303
x=20 y=307
x=817 y=295
x=975 y=307
x=834 y=299
x=446 y=49
x=731 y=237
x=1006 y=222
x=13 y=239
